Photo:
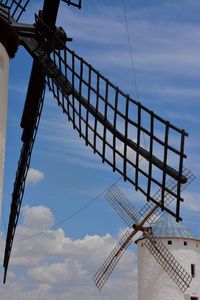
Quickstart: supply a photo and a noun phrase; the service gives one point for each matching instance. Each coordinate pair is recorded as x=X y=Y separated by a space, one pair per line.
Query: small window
x=142 y=245
x=185 y=243
x=169 y=242
x=193 y=298
x=193 y=271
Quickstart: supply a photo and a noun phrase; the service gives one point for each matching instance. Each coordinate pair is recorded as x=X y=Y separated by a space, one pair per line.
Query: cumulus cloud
x=34 y=176
x=54 y=266
x=37 y=217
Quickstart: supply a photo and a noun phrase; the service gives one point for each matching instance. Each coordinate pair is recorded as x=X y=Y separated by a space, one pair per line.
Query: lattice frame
x=125 y=209
x=113 y=125
x=19 y=185
x=17 y=7
x=110 y=263
x=169 y=199
x=168 y=262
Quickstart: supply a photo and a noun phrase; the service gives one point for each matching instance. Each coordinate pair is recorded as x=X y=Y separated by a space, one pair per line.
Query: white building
x=4 y=66
x=153 y=282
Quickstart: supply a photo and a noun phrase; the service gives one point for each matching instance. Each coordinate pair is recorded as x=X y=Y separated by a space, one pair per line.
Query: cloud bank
x=55 y=266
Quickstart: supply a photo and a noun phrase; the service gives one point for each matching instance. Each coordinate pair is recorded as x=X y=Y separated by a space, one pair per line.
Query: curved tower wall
x=4 y=67
x=155 y=284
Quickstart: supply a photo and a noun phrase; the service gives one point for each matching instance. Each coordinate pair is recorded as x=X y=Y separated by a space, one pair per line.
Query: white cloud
x=34 y=176
x=38 y=217
x=54 y=266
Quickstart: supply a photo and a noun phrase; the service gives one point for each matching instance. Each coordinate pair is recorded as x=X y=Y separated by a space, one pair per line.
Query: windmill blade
x=4 y=14
x=30 y=122
x=122 y=205
x=16 y=7
x=106 y=119
x=169 y=198
x=126 y=210
x=168 y=262
x=19 y=184
x=108 y=266
x=76 y=3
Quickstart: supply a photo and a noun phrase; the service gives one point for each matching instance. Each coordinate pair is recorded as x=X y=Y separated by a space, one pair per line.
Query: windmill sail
x=19 y=185
x=108 y=266
x=110 y=121
x=122 y=205
x=168 y=262
x=16 y=7
x=30 y=122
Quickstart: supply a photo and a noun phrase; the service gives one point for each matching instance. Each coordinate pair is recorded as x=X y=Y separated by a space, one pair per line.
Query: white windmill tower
x=8 y=47
x=153 y=282
x=3 y=111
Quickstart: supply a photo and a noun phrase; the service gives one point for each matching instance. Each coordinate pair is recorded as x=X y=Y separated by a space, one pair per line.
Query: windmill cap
x=166 y=226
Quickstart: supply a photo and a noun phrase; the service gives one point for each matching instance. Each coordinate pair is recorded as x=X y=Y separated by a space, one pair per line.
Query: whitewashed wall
x=4 y=67
x=155 y=284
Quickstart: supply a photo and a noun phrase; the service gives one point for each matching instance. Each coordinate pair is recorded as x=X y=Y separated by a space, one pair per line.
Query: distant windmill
x=109 y=121
x=153 y=282
x=141 y=221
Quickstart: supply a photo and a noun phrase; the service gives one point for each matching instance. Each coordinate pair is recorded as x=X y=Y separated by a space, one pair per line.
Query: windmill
x=108 y=119
x=141 y=221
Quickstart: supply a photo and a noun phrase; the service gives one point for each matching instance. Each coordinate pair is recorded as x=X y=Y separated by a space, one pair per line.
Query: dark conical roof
x=166 y=226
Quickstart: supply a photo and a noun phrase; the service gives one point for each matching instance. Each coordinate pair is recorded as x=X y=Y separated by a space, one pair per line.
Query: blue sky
x=165 y=39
